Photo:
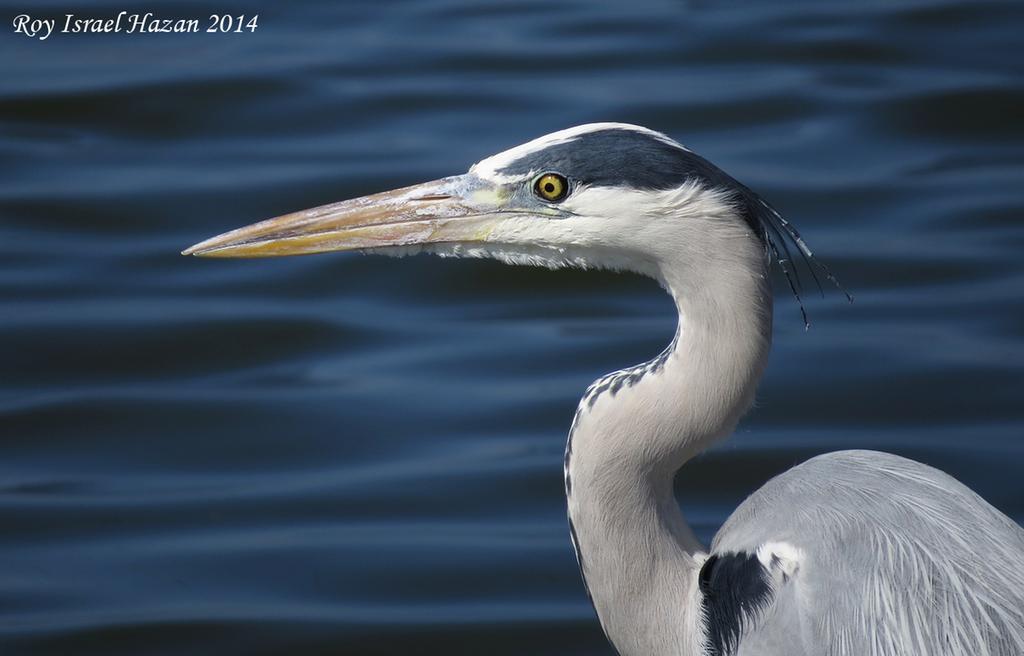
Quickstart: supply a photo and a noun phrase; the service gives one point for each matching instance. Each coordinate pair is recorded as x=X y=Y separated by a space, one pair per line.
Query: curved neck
x=636 y=428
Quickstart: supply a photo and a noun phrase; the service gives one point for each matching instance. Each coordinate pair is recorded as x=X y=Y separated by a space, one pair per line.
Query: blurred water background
x=355 y=455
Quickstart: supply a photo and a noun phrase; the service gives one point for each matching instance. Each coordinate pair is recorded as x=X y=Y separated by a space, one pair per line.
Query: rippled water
x=357 y=455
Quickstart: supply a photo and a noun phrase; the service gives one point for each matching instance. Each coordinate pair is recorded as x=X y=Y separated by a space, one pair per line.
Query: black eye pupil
x=549 y=187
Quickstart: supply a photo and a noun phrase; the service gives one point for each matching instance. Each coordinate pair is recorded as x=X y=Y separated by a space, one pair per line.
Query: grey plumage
x=898 y=558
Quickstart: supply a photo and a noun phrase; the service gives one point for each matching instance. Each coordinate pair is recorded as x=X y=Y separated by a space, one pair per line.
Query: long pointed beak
x=457 y=209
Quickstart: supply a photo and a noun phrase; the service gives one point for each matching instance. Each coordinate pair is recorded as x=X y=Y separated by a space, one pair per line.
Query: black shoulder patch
x=734 y=589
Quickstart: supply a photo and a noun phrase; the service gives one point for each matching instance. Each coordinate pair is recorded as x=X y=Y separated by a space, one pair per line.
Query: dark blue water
x=343 y=454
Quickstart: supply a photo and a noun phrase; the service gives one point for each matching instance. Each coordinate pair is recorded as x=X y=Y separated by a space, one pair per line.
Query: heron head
x=606 y=195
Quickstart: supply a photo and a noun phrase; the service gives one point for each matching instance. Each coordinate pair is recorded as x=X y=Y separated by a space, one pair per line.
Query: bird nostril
x=432 y=197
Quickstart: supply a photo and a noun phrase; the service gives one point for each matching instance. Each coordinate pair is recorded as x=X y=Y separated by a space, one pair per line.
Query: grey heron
x=854 y=552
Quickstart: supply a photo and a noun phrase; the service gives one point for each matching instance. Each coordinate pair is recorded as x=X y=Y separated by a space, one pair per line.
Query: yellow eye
x=552 y=187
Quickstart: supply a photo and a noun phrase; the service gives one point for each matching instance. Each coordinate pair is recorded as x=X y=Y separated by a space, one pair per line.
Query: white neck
x=638 y=555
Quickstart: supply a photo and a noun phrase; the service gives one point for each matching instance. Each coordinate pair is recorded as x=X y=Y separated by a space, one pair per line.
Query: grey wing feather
x=880 y=555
